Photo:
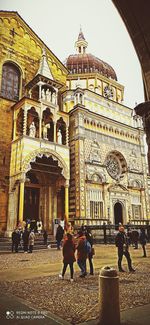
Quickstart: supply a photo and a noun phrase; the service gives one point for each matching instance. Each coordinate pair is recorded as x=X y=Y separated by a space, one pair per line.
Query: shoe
x=131 y=270
x=61 y=277
x=71 y=280
x=82 y=275
x=91 y=273
x=144 y=256
x=121 y=270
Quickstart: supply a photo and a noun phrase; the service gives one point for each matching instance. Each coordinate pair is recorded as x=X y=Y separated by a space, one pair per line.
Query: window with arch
x=10 y=81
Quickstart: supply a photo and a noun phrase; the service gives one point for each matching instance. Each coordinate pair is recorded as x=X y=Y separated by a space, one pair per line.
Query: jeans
x=58 y=244
x=144 y=250
x=30 y=248
x=82 y=266
x=120 y=256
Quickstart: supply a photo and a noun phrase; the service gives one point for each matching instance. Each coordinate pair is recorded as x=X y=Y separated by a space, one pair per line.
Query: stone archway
x=45 y=194
x=26 y=166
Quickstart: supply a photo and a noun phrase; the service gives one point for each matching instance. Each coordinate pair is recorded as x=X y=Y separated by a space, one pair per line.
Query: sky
x=57 y=23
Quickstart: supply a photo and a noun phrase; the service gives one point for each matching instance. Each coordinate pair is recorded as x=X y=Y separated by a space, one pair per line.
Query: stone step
x=6 y=243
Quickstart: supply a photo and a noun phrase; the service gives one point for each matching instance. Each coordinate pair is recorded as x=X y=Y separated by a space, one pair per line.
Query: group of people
x=26 y=237
x=82 y=243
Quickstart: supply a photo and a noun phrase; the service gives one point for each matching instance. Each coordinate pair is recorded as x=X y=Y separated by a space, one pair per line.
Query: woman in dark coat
x=68 y=255
x=143 y=239
x=81 y=253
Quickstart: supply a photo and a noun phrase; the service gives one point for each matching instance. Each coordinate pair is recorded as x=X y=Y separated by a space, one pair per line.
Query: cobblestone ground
x=77 y=301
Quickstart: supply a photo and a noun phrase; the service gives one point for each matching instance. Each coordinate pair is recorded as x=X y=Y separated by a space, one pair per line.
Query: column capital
x=67 y=183
x=22 y=178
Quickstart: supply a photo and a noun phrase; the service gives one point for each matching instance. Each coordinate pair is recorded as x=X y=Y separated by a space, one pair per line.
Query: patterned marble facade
x=109 y=181
x=70 y=149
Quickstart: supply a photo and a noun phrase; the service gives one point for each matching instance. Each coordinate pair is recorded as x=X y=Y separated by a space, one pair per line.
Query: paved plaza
x=29 y=284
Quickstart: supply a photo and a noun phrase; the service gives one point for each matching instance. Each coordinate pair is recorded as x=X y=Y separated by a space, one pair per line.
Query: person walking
x=31 y=241
x=143 y=239
x=14 y=239
x=121 y=242
x=135 y=238
x=25 y=237
x=45 y=237
x=59 y=235
x=68 y=255
x=105 y=235
x=81 y=253
x=90 y=252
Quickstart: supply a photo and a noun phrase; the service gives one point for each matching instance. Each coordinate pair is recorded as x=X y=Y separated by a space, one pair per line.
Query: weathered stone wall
x=22 y=47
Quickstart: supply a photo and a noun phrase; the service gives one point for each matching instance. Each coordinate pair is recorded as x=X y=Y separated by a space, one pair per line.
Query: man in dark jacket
x=25 y=238
x=143 y=238
x=59 y=235
x=89 y=238
x=123 y=246
x=15 y=240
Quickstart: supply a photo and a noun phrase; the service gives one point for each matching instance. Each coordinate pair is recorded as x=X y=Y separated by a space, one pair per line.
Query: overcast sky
x=57 y=22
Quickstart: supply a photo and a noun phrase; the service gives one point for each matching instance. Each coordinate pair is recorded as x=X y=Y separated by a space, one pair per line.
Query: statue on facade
x=32 y=130
x=48 y=95
x=45 y=130
x=54 y=98
x=43 y=94
x=59 y=137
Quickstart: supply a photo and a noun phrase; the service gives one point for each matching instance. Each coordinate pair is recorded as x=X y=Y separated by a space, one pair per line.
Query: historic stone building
x=69 y=147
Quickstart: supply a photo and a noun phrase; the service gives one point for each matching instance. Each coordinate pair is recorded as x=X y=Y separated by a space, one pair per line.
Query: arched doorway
x=118 y=213
x=44 y=192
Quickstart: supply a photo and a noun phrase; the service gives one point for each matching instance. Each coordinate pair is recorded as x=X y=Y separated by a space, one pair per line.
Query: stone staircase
x=6 y=243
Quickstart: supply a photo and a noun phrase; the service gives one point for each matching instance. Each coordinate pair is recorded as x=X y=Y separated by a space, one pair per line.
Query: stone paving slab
x=135 y=316
x=15 y=311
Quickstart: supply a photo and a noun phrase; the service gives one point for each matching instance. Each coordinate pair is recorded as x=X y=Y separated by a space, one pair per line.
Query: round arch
x=15 y=63
x=26 y=166
x=118 y=213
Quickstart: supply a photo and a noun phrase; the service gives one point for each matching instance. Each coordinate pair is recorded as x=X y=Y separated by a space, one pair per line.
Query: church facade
x=70 y=149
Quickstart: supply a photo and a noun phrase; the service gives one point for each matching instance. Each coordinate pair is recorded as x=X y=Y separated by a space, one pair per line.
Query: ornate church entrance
x=44 y=193
x=31 y=203
x=118 y=215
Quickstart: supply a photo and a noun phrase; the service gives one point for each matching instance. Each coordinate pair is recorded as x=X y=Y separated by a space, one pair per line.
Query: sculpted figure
x=54 y=98
x=43 y=93
x=59 y=137
x=32 y=130
x=45 y=129
x=48 y=95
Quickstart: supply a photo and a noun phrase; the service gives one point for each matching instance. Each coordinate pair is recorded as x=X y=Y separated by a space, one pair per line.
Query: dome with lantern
x=83 y=62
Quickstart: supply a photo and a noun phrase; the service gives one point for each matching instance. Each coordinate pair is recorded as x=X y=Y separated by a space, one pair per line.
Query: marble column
x=25 y=122
x=21 y=201
x=66 y=202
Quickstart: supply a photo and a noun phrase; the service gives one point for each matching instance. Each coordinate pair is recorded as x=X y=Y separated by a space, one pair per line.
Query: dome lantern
x=82 y=62
x=81 y=44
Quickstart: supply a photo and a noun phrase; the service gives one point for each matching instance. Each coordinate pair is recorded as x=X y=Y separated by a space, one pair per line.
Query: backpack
x=88 y=247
